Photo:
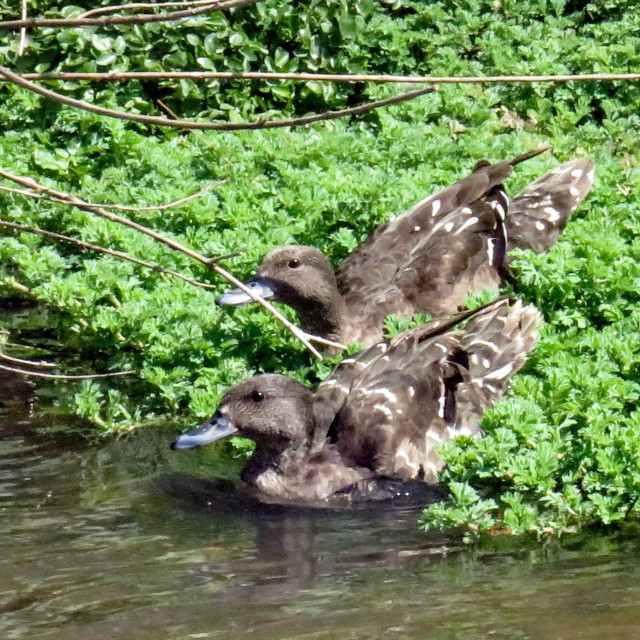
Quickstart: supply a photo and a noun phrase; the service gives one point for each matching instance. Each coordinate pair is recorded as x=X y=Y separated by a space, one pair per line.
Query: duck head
x=302 y=278
x=273 y=410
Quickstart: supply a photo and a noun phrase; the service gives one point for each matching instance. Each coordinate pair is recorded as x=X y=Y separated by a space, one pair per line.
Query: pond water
x=124 y=538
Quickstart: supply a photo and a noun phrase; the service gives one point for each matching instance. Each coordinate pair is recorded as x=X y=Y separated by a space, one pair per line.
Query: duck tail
x=507 y=165
x=540 y=212
x=529 y=154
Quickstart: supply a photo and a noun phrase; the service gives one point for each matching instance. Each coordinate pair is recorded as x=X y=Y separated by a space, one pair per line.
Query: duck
x=382 y=413
x=428 y=259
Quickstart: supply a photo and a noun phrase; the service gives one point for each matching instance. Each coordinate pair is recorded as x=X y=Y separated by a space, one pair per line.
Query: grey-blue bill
x=213 y=429
x=237 y=297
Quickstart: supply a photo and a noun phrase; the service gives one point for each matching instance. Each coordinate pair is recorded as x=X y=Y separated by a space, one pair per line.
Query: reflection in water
x=120 y=539
x=295 y=544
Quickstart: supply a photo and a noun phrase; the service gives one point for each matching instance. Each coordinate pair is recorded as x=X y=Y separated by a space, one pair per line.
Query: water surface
x=123 y=538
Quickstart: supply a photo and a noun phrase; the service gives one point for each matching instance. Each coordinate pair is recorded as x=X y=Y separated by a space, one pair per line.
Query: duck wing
x=464 y=253
x=540 y=212
x=495 y=346
x=391 y=407
x=394 y=403
x=381 y=357
x=378 y=258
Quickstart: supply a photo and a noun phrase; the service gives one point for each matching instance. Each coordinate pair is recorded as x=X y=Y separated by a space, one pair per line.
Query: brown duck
x=382 y=413
x=426 y=259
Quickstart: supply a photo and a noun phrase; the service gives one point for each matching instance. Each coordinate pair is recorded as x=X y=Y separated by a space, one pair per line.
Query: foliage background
x=563 y=450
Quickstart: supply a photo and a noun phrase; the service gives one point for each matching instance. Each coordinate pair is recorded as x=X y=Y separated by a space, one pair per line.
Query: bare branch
x=216 y=126
x=19 y=346
x=23 y=31
x=71 y=200
x=143 y=18
x=123 y=207
x=321 y=77
x=30 y=363
x=60 y=376
x=111 y=252
x=163 y=207
x=141 y=5
x=22 y=192
x=197 y=134
x=68 y=199
x=226 y=256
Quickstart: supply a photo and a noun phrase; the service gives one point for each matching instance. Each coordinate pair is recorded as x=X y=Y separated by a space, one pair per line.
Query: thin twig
x=124 y=207
x=111 y=252
x=143 y=18
x=163 y=207
x=167 y=110
x=319 y=77
x=31 y=363
x=142 y=5
x=26 y=347
x=71 y=200
x=197 y=134
x=226 y=256
x=23 y=31
x=22 y=192
x=216 y=126
x=57 y=376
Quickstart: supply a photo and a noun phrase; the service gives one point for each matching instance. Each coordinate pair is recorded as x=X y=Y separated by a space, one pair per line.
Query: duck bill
x=237 y=297
x=213 y=429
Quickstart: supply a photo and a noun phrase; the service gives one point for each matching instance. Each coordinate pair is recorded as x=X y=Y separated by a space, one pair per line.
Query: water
x=121 y=539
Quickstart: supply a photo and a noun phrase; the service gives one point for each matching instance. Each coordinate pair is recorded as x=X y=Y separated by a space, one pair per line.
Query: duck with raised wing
x=426 y=259
x=381 y=414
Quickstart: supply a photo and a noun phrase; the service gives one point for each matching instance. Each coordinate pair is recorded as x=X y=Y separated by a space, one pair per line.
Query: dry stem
x=320 y=77
x=142 y=5
x=23 y=31
x=197 y=134
x=215 y=126
x=163 y=207
x=59 y=376
x=142 y=18
x=94 y=247
x=124 y=207
x=30 y=363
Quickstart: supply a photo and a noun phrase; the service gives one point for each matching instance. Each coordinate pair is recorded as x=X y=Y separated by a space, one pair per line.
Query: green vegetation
x=563 y=449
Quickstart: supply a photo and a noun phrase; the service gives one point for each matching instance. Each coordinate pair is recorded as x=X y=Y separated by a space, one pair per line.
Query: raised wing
x=378 y=258
x=495 y=346
x=396 y=402
x=392 y=407
x=540 y=212
x=464 y=253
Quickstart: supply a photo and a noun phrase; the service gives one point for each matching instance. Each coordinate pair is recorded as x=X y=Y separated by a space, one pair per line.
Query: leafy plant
x=561 y=451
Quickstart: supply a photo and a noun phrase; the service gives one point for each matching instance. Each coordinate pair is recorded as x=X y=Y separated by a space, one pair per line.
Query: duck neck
x=324 y=316
x=278 y=459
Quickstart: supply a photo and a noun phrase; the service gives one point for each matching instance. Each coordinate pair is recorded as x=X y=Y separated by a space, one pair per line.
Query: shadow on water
x=124 y=538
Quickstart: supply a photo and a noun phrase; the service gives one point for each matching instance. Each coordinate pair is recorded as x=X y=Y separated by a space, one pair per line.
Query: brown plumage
x=426 y=259
x=540 y=212
x=382 y=413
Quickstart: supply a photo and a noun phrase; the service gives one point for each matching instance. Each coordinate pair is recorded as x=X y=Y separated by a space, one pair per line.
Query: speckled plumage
x=428 y=258
x=382 y=412
x=540 y=212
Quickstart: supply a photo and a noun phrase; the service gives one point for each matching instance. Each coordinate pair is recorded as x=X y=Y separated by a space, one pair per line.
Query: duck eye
x=257 y=396
x=294 y=263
